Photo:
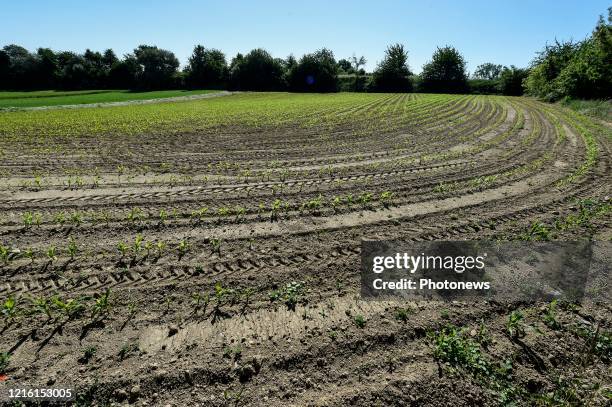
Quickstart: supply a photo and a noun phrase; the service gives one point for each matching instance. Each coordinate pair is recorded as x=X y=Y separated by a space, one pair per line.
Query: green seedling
x=216 y=245
x=160 y=247
x=550 y=316
x=127 y=350
x=28 y=219
x=27 y=253
x=69 y=308
x=123 y=249
x=76 y=218
x=365 y=199
x=4 y=254
x=385 y=198
x=102 y=305
x=9 y=309
x=88 y=353
x=200 y=301
x=290 y=294
x=360 y=321
x=183 y=248
x=234 y=353
x=514 y=326
x=137 y=246
x=135 y=216
x=163 y=217
x=148 y=246
x=42 y=305
x=60 y=218
x=402 y=314
x=275 y=209
x=72 y=248
x=51 y=255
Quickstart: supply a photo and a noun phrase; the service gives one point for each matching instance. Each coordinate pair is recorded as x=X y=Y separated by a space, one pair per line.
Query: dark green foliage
x=21 y=67
x=580 y=70
x=124 y=74
x=488 y=71
x=345 y=66
x=511 y=80
x=316 y=72
x=158 y=67
x=445 y=73
x=393 y=74
x=483 y=86
x=257 y=71
x=207 y=69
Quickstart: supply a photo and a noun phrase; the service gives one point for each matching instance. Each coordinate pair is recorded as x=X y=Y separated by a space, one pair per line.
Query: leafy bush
x=582 y=70
x=484 y=86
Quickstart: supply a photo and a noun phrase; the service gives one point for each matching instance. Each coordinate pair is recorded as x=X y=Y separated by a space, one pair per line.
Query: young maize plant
x=336 y=202
x=102 y=305
x=275 y=209
x=385 y=198
x=43 y=306
x=183 y=248
x=239 y=211
x=72 y=248
x=4 y=254
x=28 y=219
x=365 y=199
x=200 y=302
x=135 y=216
x=163 y=216
x=76 y=218
x=123 y=249
x=216 y=245
x=27 y=253
x=148 y=246
x=69 y=308
x=51 y=254
x=60 y=218
x=9 y=310
x=159 y=247
x=313 y=205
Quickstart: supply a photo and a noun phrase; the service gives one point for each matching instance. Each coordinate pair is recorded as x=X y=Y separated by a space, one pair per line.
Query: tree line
x=149 y=67
x=580 y=69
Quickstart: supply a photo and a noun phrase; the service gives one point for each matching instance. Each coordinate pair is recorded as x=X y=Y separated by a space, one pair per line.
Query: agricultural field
x=208 y=251
x=44 y=98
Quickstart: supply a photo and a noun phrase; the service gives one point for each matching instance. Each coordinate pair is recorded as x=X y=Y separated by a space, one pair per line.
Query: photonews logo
x=514 y=271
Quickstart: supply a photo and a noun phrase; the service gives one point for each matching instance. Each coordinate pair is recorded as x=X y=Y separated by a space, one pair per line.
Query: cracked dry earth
x=229 y=251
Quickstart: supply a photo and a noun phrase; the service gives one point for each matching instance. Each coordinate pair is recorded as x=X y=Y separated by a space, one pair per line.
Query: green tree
x=257 y=70
x=124 y=74
x=345 y=66
x=356 y=63
x=207 y=68
x=109 y=58
x=445 y=73
x=511 y=80
x=47 y=69
x=488 y=71
x=316 y=72
x=392 y=73
x=159 y=67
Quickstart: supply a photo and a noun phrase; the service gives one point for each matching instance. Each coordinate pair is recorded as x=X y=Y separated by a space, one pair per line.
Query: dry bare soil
x=207 y=252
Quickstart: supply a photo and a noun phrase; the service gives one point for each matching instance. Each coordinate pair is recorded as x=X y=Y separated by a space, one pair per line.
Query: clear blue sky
x=504 y=32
